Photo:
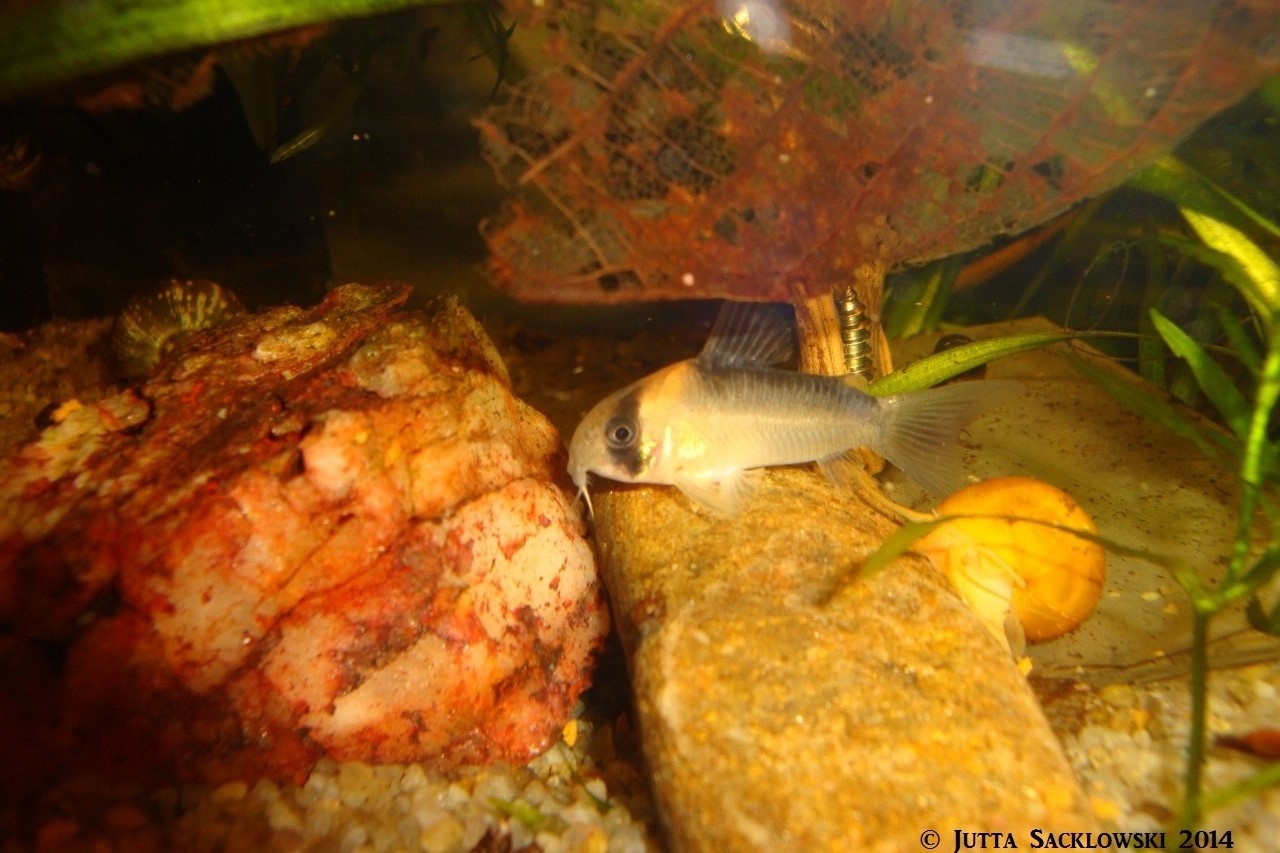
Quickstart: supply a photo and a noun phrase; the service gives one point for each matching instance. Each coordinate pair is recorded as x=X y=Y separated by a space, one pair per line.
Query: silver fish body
x=701 y=424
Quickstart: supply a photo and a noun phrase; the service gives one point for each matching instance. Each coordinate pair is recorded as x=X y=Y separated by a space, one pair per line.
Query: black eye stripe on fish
x=701 y=424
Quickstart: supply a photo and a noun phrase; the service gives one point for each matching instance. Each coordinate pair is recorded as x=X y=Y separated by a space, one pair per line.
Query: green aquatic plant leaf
x=931 y=370
x=1151 y=350
x=898 y=543
x=1220 y=220
x=916 y=302
x=1262 y=571
x=1146 y=405
x=1068 y=245
x=1261 y=272
x=1210 y=376
x=258 y=78
x=1227 y=266
x=1243 y=344
x=1260 y=619
x=1267 y=777
x=338 y=110
x=520 y=809
x=54 y=42
x=496 y=36
x=1174 y=180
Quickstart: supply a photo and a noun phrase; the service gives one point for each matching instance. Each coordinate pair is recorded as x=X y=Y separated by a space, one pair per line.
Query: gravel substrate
x=1129 y=746
x=559 y=802
x=58 y=361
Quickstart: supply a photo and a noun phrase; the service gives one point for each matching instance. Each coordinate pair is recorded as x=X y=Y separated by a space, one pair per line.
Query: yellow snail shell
x=1024 y=579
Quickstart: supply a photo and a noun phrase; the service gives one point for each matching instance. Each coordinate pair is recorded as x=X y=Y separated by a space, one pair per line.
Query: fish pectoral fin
x=748 y=334
x=726 y=495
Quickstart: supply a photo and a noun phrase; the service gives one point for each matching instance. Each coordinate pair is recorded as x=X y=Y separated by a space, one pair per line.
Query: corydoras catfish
x=702 y=424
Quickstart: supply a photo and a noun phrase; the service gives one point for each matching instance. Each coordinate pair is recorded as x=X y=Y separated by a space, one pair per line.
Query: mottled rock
x=330 y=531
x=786 y=702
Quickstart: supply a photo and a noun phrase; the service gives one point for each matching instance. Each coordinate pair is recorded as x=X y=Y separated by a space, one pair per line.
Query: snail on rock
x=154 y=324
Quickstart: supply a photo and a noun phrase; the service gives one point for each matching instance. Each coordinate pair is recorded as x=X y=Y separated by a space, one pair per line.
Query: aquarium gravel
x=559 y=802
x=1127 y=746
x=52 y=363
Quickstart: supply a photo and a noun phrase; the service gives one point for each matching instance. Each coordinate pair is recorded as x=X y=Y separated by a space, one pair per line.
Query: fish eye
x=621 y=432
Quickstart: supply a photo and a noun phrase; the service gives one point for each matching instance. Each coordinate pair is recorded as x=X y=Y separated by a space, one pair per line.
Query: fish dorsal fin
x=748 y=334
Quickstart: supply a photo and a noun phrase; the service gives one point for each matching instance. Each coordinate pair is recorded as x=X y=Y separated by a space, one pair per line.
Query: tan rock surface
x=786 y=702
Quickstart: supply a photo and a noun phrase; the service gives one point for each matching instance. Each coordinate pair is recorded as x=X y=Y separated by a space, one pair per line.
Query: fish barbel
x=702 y=424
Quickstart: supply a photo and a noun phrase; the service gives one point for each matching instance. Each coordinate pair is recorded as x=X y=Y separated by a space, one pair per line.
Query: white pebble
x=597 y=789
x=445 y=834
x=281 y=816
x=414 y=777
x=353 y=838
x=477 y=826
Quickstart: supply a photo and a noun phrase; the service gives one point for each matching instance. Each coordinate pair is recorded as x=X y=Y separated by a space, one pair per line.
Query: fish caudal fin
x=920 y=429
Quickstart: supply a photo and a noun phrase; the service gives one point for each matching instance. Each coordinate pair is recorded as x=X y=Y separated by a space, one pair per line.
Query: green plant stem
x=1191 y=806
x=1252 y=472
x=1252 y=462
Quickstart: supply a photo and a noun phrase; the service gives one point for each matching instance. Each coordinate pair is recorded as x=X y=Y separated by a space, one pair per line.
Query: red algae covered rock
x=315 y=532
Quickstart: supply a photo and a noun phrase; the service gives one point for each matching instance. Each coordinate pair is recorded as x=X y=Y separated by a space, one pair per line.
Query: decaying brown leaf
x=753 y=148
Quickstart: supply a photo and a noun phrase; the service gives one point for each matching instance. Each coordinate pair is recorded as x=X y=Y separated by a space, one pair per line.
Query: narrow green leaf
x=298 y=143
x=256 y=77
x=1146 y=405
x=1181 y=570
x=1259 y=619
x=1109 y=96
x=1267 y=459
x=1242 y=343
x=939 y=293
x=337 y=111
x=898 y=543
x=1177 y=182
x=1228 y=267
x=1263 y=273
x=496 y=37
x=931 y=370
x=916 y=301
x=50 y=43
x=1219 y=219
x=520 y=809
x=1262 y=571
x=1267 y=777
x=1213 y=380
